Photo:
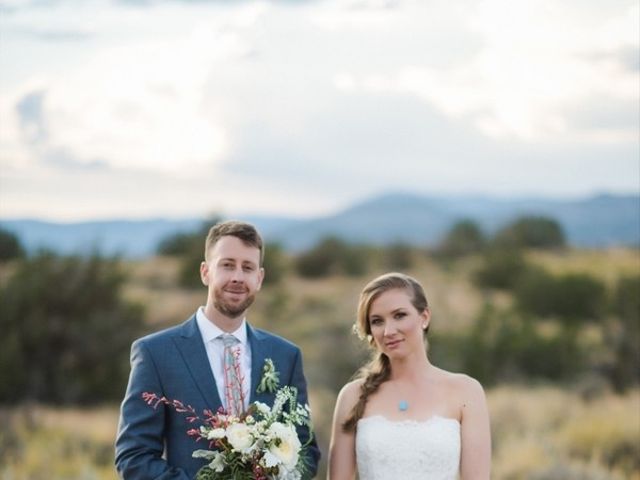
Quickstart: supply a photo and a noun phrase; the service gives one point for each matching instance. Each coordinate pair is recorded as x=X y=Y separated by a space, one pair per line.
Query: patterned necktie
x=232 y=375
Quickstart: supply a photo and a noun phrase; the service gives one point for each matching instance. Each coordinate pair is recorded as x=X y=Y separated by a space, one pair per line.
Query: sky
x=157 y=108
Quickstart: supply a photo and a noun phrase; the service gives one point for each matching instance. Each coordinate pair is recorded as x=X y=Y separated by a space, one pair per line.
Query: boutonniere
x=270 y=377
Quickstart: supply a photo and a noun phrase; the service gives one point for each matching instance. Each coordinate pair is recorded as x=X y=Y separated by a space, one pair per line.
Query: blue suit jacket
x=153 y=443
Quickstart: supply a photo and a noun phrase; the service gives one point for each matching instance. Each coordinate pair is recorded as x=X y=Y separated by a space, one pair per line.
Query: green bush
x=398 y=257
x=275 y=263
x=464 y=238
x=501 y=269
x=533 y=232
x=10 y=246
x=574 y=298
x=66 y=331
x=332 y=255
x=503 y=346
x=623 y=334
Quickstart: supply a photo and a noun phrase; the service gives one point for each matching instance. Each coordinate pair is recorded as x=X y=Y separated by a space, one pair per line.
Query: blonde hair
x=378 y=370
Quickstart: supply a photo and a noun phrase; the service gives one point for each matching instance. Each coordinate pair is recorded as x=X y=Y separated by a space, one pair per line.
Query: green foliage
x=190 y=248
x=532 y=232
x=398 y=257
x=464 y=238
x=66 y=331
x=504 y=346
x=275 y=264
x=500 y=269
x=332 y=255
x=181 y=243
x=623 y=334
x=10 y=246
x=573 y=297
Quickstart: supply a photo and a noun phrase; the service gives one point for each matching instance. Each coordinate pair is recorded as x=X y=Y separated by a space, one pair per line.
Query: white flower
x=286 y=444
x=206 y=454
x=217 y=465
x=215 y=433
x=263 y=408
x=239 y=436
x=270 y=460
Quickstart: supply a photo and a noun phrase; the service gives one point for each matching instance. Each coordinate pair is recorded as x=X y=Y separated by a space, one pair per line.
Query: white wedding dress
x=408 y=449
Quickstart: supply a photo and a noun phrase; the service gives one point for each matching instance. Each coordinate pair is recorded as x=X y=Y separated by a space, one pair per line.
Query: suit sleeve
x=140 y=439
x=298 y=380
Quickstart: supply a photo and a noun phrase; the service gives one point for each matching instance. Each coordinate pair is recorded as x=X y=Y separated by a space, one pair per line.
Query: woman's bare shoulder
x=463 y=384
x=351 y=391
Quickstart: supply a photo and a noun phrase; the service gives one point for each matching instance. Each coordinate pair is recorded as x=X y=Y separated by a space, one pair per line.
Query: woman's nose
x=389 y=329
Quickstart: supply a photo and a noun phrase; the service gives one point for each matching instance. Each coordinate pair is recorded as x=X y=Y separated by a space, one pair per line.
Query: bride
x=404 y=418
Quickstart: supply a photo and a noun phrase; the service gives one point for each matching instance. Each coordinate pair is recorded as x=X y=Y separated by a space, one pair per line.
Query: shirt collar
x=210 y=331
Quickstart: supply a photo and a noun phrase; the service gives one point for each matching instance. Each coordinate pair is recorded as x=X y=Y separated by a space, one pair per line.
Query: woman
x=404 y=418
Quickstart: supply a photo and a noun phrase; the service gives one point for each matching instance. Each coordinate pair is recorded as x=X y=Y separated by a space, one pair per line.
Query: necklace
x=403 y=405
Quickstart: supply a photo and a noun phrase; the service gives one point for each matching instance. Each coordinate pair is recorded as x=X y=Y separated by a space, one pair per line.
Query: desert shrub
x=500 y=269
x=275 y=263
x=464 y=238
x=504 y=345
x=623 y=333
x=332 y=255
x=398 y=257
x=574 y=298
x=10 y=246
x=66 y=331
x=531 y=231
x=189 y=246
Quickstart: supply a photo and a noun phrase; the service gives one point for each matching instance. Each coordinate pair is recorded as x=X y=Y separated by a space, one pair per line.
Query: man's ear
x=204 y=273
x=261 y=278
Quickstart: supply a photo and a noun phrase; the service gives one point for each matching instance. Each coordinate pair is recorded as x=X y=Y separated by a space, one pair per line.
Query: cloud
x=140 y=105
x=528 y=73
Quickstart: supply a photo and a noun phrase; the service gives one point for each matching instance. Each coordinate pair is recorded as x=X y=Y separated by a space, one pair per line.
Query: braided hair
x=378 y=370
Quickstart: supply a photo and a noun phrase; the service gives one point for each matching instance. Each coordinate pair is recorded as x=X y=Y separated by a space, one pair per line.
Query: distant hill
x=598 y=221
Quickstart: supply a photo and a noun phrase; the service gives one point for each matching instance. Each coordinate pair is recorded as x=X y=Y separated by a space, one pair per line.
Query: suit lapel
x=260 y=350
x=195 y=357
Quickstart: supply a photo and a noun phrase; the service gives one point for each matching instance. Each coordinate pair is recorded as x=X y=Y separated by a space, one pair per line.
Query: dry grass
x=539 y=433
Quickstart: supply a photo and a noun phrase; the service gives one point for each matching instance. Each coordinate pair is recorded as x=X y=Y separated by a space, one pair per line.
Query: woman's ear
x=426 y=318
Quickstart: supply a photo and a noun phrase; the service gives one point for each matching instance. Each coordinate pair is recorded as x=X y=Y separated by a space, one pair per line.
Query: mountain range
x=594 y=222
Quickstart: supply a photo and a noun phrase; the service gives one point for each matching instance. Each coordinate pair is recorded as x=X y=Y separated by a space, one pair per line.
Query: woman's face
x=396 y=326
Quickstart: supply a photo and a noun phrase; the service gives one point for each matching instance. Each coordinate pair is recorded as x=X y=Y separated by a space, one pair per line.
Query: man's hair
x=234 y=228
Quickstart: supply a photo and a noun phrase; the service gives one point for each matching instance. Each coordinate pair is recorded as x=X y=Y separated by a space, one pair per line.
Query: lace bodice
x=408 y=449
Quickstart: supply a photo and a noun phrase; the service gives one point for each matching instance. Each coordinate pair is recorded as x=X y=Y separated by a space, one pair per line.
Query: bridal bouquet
x=260 y=444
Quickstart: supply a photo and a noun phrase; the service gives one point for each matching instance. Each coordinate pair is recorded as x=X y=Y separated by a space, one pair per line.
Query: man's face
x=233 y=275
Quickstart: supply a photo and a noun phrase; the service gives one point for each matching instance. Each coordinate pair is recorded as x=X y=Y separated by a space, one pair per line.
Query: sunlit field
x=578 y=429
x=541 y=433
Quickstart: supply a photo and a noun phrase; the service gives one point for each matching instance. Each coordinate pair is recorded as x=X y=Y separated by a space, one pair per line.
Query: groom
x=190 y=363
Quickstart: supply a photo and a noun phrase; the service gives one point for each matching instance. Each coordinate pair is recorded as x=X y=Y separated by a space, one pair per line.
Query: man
x=187 y=363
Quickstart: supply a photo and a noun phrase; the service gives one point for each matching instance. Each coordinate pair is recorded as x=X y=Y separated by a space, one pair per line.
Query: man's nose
x=237 y=275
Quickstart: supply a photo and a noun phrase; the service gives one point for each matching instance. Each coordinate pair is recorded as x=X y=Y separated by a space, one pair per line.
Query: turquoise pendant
x=403 y=405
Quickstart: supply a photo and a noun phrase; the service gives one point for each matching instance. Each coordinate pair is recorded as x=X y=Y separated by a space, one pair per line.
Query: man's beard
x=229 y=310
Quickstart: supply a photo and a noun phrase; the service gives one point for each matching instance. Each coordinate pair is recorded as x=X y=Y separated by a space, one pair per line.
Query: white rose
x=239 y=436
x=286 y=444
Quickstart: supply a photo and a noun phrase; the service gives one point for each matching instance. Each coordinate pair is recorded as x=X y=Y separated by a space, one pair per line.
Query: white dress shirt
x=215 y=352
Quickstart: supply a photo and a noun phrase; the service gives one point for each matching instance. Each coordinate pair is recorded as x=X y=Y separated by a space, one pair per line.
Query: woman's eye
x=375 y=321
x=400 y=315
